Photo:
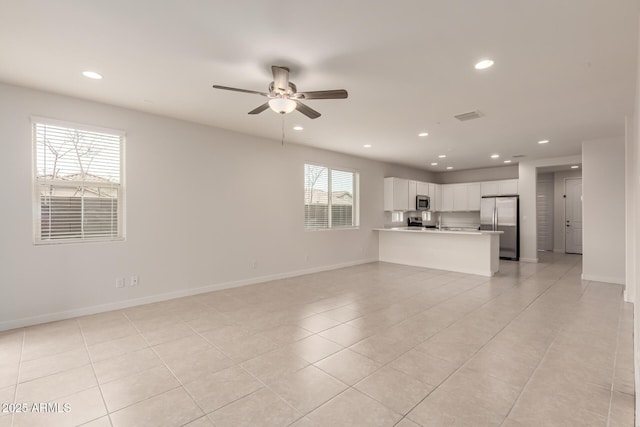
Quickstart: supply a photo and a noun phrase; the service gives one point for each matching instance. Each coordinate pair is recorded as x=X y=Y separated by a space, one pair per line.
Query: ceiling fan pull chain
x=283 y=130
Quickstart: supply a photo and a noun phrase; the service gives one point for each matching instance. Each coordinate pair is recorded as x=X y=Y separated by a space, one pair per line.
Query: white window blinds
x=329 y=197
x=78 y=183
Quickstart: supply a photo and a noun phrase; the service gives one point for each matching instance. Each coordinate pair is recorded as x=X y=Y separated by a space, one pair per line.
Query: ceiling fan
x=284 y=96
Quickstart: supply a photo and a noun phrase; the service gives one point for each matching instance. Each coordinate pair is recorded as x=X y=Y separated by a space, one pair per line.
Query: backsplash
x=428 y=218
x=460 y=219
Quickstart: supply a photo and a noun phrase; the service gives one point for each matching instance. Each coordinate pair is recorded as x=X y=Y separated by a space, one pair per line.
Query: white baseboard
x=604 y=279
x=528 y=259
x=118 y=305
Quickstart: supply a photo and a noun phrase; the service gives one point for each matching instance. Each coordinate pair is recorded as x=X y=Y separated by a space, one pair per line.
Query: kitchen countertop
x=432 y=231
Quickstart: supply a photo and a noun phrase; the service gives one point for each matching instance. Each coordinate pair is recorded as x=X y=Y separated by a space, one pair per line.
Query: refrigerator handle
x=494 y=220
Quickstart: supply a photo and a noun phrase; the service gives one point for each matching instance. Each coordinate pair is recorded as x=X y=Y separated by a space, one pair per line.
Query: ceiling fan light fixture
x=282 y=105
x=484 y=64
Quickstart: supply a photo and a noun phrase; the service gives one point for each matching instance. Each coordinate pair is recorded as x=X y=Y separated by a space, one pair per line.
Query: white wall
x=632 y=181
x=631 y=209
x=558 y=207
x=603 y=210
x=477 y=175
x=527 y=176
x=233 y=198
x=633 y=213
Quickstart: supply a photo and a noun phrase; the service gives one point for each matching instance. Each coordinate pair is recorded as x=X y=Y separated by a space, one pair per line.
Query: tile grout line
x=181 y=385
x=462 y=366
x=93 y=369
x=15 y=392
x=545 y=353
x=615 y=361
x=555 y=337
x=239 y=365
x=446 y=327
x=313 y=364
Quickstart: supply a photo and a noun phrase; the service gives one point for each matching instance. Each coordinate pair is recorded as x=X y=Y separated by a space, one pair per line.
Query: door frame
x=564 y=215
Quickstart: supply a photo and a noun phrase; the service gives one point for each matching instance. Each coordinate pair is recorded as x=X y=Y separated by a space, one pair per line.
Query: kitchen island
x=472 y=252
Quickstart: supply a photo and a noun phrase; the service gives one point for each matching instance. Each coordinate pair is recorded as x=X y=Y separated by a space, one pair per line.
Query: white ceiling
x=564 y=70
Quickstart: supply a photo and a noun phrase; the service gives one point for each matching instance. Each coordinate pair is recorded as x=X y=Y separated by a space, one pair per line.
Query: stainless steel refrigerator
x=501 y=213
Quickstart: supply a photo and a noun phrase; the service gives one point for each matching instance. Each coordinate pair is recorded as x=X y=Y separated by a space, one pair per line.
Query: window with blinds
x=78 y=191
x=329 y=198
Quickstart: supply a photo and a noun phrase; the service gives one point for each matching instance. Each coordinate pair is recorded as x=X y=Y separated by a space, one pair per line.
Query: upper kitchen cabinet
x=396 y=194
x=423 y=188
x=446 y=205
x=413 y=192
x=460 y=200
x=473 y=196
x=507 y=187
x=460 y=197
x=400 y=194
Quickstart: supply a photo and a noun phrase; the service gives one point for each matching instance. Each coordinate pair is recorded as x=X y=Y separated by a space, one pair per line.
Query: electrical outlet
x=254 y=264
x=135 y=280
x=306 y=257
x=120 y=282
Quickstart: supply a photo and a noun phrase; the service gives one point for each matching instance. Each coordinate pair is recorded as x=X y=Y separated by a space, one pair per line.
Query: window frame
x=36 y=185
x=356 y=197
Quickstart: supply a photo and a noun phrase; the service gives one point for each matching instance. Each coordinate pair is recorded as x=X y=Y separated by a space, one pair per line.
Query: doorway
x=573 y=215
x=544 y=211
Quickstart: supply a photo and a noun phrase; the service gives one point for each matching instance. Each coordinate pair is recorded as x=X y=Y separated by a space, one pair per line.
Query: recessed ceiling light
x=434 y=164
x=449 y=167
x=423 y=134
x=495 y=156
x=507 y=161
x=485 y=63
x=575 y=167
x=367 y=145
x=298 y=128
x=544 y=141
x=92 y=75
x=442 y=156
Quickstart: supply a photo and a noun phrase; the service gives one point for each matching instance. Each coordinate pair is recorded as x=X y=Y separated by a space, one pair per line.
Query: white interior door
x=544 y=207
x=573 y=215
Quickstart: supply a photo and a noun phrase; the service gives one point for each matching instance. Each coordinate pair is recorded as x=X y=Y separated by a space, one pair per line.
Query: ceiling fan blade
x=325 y=94
x=259 y=109
x=239 y=90
x=307 y=111
x=280 y=77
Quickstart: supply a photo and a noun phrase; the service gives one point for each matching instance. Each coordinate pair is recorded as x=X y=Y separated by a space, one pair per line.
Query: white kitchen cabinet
x=438 y=202
x=508 y=187
x=413 y=191
x=447 y=198
x=432 y=195
x=423 y=189
x=473 y=196
x=396 y=194
x=460 y=201
x=460 y=197
x=489 y=188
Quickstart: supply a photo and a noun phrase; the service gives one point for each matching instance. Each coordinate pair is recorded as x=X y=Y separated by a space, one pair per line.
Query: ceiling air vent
x=518 y=156
x=469 y=116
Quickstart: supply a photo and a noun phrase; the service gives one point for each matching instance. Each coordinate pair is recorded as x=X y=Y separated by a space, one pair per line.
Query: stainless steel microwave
x=423 y=203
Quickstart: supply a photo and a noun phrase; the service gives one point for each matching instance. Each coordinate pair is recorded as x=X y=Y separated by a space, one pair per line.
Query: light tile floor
x=372 y=345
